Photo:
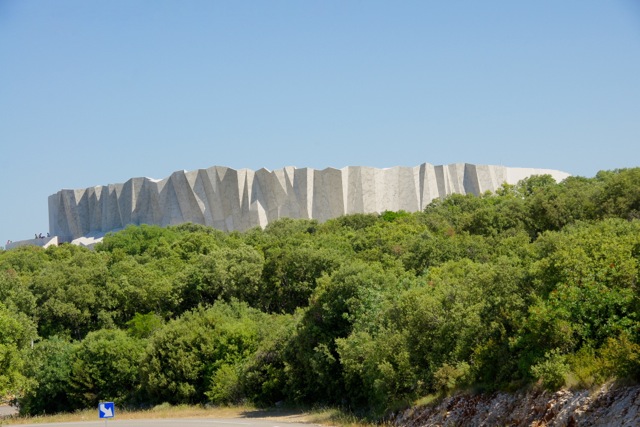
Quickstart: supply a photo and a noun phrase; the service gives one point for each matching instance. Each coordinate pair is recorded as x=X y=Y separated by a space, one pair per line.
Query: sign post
x=106 y=410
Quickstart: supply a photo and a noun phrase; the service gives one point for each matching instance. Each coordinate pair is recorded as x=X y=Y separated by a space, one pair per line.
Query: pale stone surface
x=602 y=406
x=229 y=199
x=44 y=242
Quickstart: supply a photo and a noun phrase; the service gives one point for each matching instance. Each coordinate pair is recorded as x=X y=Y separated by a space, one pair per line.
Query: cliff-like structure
x=230 y=199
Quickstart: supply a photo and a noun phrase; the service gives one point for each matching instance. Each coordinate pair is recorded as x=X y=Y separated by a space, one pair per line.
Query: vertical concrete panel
x=147 y=205
x=470 y=179
x=407 y=190
x=303 y=191
x=328 y=200
x=95 y=210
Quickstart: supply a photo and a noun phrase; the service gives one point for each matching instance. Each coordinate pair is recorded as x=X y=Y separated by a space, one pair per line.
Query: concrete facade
x=229 y=199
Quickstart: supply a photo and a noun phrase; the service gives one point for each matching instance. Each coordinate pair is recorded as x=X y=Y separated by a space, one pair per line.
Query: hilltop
x=534 y=285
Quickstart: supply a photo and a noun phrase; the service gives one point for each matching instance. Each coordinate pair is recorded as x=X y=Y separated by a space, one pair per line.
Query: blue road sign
x=107 y=410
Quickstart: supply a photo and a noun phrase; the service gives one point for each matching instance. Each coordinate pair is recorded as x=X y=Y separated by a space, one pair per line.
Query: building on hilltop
x=229 y=199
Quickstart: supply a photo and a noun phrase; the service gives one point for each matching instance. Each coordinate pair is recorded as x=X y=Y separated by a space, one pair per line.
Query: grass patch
x=324 y=416
x=428 y=400
x=160 y=411
x=338 y=417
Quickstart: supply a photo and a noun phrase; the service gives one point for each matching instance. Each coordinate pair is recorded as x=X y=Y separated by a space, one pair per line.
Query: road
x=7 y=410
x=165 y=422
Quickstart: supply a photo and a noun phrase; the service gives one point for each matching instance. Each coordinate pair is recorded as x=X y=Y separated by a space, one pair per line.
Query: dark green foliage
x=535 y=284
x=225 y=273
x=349 y=295
x=144 y=325
x=25 y=260
x=71 y=293
x=48 y=367
x=392 y=216
x=264 y=376
x=621 y=357
x=286 y=227
x=139 y=240
x=135 y=287
x=551 y=207
x=358 y=221
x=16 y=294
x=290 y=275
x=552 y=370
x=16 y=331
x=183 y=358
x=296 y=255
x=104 y=367
x=620 y=194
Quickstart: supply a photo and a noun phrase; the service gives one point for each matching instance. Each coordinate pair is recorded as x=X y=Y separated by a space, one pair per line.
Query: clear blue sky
x=96 y=92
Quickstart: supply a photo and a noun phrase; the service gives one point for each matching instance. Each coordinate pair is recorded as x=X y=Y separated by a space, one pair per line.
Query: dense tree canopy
x=534 y=284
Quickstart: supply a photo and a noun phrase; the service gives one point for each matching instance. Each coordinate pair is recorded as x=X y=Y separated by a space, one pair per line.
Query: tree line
x=534 y=284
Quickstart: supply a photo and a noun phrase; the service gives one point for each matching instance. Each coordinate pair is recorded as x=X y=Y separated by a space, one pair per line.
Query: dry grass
x=335 y=417
x=323 y=416
x=168 y=411
x=428 y=400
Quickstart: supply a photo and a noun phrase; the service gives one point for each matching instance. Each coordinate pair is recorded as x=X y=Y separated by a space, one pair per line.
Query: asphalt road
x=7 y=410
x=189 y=422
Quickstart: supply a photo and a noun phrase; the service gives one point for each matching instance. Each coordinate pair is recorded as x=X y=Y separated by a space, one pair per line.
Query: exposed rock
x=605 y=406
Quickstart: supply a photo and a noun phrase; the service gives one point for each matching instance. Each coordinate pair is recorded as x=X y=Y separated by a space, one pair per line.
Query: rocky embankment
x=605 y=406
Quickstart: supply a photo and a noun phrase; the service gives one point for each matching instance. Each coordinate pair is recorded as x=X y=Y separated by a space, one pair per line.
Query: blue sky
x=96 y=92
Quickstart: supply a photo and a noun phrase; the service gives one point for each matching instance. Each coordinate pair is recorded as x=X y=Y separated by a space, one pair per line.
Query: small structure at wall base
x=44 y=242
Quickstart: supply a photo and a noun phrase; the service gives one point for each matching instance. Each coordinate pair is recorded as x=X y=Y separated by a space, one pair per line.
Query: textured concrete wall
x=230 y=199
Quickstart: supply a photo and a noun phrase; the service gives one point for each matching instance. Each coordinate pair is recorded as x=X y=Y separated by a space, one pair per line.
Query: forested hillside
x=537 y=283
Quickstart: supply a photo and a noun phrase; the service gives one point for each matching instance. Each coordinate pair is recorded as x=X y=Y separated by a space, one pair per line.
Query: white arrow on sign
x=106 y=410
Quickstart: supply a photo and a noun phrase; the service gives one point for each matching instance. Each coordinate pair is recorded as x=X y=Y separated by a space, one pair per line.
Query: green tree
x=620 y=194
x=72 y=293
x=552 y=206
x=135 y=287
x=48 y=369
x=226 y=273
x=26 y=260
x=586 y=278
x=144 y=325
x=105 y=367
x=182 y=358
x=264 y=375
x=139 y=240
x=16 y=332
x=352 y=294
x=16 y=293
x=378 y=370
x=291 y=273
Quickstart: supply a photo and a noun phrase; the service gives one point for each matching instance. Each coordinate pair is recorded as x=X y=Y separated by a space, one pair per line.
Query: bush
x=105 y=367
x=225 y=385
x=449 y=377
x=552 y=371
x=48 y=367
x=183 y=357
x=621 y=357
x=587 y=367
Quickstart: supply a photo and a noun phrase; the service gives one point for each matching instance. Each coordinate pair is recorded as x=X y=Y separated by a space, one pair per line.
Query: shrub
x=621 y=357
x=448 y=377
x=105 y=367
x=48 y=367
x=552 y=370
